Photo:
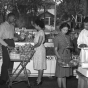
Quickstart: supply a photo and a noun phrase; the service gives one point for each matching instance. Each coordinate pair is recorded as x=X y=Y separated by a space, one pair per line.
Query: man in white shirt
x=7 y=41
x=82 y=40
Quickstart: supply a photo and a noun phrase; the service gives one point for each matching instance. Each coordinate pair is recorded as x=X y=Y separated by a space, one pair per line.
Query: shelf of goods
x=51 y=62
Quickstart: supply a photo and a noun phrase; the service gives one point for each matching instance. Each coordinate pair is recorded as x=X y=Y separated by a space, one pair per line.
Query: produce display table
x=15 y=76
x=51 y=61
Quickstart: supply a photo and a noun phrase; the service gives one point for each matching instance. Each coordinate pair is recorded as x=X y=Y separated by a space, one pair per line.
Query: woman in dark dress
x=62 y=46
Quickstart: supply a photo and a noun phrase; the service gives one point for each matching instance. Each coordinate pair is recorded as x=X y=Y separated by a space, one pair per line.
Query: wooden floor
x=47 y=83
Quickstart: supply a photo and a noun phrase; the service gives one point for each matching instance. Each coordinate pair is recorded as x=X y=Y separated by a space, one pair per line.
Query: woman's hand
x=59 y=60
x=58 y=56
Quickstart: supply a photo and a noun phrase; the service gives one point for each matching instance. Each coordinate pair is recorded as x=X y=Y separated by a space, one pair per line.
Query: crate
x=14 y=56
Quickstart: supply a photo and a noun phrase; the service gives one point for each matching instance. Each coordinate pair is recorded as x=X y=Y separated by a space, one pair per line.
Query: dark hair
x=64 y=25
x=85 y=20
x=40 y=23
x=10 y=14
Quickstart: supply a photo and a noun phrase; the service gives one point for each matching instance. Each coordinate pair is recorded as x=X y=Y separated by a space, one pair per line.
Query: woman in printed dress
x=62 y=44
x=39 y=60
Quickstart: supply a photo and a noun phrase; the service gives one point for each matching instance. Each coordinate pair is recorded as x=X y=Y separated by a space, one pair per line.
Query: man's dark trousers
x=7 y=64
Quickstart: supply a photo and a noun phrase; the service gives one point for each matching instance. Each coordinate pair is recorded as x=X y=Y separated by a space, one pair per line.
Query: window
x=47 y=21
x=51 y=21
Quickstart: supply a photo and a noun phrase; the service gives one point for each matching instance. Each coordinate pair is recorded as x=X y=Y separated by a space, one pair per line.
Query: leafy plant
x=69 y=8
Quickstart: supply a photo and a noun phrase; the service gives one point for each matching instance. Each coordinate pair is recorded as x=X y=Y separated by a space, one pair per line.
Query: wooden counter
x=82 y=80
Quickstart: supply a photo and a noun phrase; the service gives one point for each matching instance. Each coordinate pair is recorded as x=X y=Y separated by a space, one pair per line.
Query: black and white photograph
x=43 y=43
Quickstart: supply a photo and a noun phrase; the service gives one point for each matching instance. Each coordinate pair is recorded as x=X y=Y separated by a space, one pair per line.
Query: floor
x=48 y=82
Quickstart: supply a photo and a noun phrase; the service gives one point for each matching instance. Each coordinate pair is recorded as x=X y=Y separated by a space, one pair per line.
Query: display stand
x=15 y=78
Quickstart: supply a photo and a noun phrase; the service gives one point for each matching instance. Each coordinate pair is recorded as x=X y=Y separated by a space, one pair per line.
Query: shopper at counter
x=7 y=42
x=62 y=46
x=39 y=60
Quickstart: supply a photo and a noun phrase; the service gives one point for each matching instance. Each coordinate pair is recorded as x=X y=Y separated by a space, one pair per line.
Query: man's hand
x=10 y=48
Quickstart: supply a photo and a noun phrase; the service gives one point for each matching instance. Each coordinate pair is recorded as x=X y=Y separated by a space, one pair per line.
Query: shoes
x=2 y=82
x=37 y=84
x=40 y=83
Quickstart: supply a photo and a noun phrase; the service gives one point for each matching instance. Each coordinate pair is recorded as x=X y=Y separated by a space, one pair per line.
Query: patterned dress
x=62 y=41
x=39 y=60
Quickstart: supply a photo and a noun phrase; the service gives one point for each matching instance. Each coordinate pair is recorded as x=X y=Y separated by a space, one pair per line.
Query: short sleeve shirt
x=6 y=31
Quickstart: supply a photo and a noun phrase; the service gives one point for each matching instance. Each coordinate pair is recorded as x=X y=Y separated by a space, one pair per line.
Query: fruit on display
x=25 y=51
x=24 y=35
